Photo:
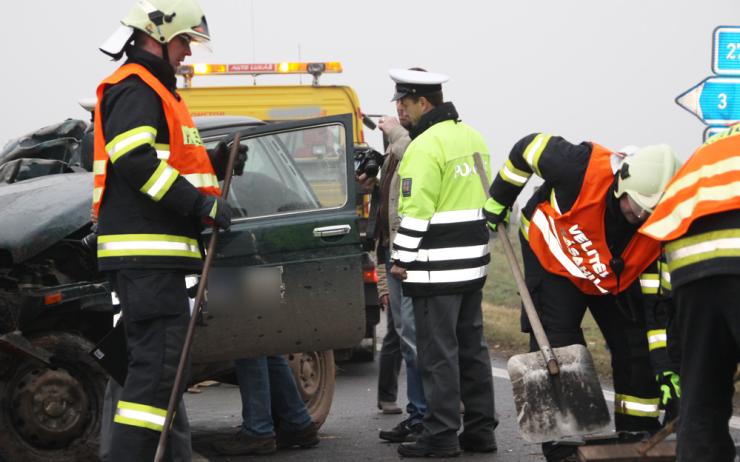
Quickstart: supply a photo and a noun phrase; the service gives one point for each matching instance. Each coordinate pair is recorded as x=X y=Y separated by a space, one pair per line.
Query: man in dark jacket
x=154 y=187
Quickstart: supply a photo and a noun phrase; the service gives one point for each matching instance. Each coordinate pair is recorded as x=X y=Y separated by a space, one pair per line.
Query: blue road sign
x=726 y=50
x=715 y=100
x=711 y=131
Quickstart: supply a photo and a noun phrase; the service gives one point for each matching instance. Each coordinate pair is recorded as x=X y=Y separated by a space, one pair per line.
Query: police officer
x=154 y=186
x=441 y=254
x=581 y=249
x=698 y=220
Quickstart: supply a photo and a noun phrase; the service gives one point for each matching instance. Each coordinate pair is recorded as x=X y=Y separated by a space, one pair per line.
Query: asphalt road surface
x=350 y=433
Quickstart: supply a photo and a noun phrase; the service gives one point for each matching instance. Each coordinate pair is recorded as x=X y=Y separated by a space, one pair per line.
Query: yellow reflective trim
x=649 y=283
x=202 y=180
x=513 y=175
x=534 y=150
x=657 y=338
x=666 y=225
x=97 y=193
x=632 y=405
x=99 y=166
x=554 y=201
x=524 y=226
x=140 y=415
x=705 y=171
x=123 y=245
x=160 y=181
x=700 y=247
x=163 y=151
x=129 y=140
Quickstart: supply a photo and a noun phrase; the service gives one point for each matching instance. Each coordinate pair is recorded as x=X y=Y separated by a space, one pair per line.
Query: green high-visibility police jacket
x=442 y=241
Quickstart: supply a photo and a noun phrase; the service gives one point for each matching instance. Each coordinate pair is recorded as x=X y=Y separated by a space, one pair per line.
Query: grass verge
x=501 y=314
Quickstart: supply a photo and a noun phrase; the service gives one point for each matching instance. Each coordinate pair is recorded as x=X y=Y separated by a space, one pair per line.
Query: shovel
x=556 y=391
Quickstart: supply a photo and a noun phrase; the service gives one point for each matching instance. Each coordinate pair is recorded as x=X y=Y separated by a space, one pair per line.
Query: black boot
x=419 y=449
x=405 y=431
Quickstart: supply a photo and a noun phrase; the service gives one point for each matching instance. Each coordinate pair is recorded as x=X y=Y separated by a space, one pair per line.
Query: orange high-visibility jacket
x=573 y=244
x=186 y=157
x=708 y=183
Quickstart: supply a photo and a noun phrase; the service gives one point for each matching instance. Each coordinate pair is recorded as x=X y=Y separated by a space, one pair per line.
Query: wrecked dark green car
x=289 y=276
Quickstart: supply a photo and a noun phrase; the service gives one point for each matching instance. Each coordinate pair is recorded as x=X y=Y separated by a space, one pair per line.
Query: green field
x=501 y=313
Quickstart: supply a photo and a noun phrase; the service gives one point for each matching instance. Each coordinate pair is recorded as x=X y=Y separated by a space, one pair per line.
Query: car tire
x=314 y=374
x=52 y=414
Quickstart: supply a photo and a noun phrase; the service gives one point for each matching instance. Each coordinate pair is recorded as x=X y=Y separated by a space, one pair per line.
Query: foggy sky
x=604 y=71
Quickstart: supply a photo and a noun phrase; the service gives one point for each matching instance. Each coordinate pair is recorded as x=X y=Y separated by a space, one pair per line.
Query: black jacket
x=125 y=209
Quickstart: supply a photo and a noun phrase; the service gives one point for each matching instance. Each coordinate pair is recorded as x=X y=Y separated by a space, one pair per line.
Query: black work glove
x=219 y=156
x=495 y=214
x=670 y=394
x=213 y=209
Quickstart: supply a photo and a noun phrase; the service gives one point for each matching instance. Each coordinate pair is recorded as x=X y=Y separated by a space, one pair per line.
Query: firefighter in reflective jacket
x=441 y=254
x=698 y=220
x=154 y=185
x=581 y=249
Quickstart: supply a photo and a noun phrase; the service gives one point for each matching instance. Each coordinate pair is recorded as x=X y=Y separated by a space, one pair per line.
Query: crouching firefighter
x=154 y=187
x=581 y=249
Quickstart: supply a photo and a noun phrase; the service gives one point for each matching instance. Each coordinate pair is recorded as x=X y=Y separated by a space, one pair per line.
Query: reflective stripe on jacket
x=184 y=156
x=698 y=215
x=442 y=240
x=149 y=238
x=708 y=183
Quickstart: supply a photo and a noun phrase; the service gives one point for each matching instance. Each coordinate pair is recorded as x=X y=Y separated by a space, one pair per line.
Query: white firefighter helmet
x=162 y=20
x=644 y=175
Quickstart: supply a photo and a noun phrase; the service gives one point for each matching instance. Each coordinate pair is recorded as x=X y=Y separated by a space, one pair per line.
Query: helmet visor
x=200 y=33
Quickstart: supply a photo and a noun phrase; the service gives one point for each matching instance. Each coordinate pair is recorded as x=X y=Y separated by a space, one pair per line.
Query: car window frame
x=345 y=120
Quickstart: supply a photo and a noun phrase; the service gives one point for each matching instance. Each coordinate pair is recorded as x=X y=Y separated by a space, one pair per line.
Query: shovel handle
x=653 y=441
x=174 y=394
x=534 y=319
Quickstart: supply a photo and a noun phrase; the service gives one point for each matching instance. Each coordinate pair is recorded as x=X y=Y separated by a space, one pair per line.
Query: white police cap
x=413 y=82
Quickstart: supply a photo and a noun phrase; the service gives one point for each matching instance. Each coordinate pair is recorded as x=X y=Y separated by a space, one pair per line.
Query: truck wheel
x=314 y=374
x=52 y=414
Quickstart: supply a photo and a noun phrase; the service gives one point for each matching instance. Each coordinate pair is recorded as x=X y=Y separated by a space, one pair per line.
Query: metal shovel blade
x=550 y=407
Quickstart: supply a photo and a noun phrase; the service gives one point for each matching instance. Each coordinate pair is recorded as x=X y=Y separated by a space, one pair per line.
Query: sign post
x=716 y=99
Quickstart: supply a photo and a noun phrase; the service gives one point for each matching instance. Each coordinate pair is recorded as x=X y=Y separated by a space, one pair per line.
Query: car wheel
x=52 y=414
x=314 y=374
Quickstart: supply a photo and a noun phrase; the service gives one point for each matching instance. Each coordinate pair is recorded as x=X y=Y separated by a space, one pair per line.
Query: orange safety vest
x=573 y=244
x=186 y=153
x=707 y=184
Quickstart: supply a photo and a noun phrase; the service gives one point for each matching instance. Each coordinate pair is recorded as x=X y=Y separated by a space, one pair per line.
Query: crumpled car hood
x=36 y=213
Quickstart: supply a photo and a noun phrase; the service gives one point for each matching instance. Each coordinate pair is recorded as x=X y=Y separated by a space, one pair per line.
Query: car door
x=287 y=276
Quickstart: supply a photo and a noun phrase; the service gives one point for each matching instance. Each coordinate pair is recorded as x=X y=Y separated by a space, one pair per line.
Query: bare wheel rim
x=49 y=407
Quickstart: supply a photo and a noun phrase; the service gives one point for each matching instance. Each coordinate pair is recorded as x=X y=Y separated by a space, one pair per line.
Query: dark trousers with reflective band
x=708 y=318
x=179 y=434
x=156 y=312
x=455 y=365
x=390 y=362
x=561 y=307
